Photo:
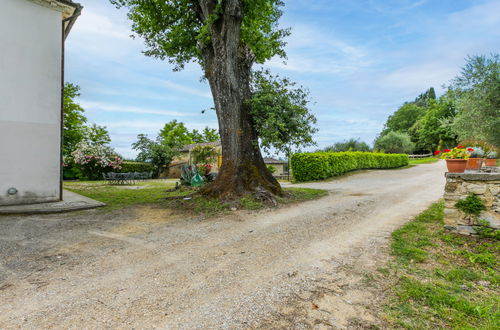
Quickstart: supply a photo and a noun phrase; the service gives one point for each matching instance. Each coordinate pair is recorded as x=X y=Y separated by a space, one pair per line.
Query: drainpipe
x=64 y=33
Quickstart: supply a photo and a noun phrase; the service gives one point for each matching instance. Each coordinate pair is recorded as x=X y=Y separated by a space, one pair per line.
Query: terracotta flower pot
x=474 y=163
x=490 y=162
x=456 y=165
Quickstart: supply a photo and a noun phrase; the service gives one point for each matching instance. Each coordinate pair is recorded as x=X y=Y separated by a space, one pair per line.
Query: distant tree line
x=469 y=109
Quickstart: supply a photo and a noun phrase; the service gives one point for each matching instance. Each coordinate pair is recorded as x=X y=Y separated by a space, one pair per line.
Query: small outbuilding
x=279 y=166
x=31 y=84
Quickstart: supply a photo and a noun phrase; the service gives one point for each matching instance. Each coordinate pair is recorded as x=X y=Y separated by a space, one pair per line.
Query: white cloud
x=99 y=106
x=99 y=25
x=311 y=49
x=185 y=89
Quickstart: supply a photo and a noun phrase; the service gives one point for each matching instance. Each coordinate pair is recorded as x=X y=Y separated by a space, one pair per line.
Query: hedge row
x=128 y=166
x=323 y=165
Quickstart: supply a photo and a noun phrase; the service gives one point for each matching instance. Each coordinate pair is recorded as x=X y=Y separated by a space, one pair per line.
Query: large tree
x=73 y=118
x=477 y=93
x=226 y=37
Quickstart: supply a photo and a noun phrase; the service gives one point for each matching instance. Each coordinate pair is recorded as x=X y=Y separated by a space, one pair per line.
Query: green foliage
x=73 y=118
x=204 y=154
x=94 y=160
x=434 y=127
x=156 y=153
x=128 y=166
x=471 y=205
x=207 y=135
x=180 y=30
x=348 y=145
x=323 y=165
x=96 y=135
x=75 y=128
x=271 y=169
x=403 y=118
x=477 y=153
x=425 y=98
x=280 y=113
x=175 y=135
x=394 y=143
x=250 y=203
x=436 y=279
x=477 y=94
x=426 y=160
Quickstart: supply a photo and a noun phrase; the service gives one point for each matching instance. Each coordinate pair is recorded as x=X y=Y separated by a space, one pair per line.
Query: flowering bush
x=203 y=169
x=476 y=152
x=459 y=152
x=94 y=160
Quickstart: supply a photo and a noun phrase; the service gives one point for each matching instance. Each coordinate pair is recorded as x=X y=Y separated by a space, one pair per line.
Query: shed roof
x=268 y=160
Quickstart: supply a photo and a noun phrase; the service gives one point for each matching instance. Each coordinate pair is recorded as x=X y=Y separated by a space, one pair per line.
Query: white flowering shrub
x=94 y=160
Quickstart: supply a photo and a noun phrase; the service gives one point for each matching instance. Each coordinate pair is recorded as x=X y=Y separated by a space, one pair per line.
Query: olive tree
x=226 y=37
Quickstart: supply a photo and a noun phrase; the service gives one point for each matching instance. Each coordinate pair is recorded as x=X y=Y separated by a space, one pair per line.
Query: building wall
x=30 y=96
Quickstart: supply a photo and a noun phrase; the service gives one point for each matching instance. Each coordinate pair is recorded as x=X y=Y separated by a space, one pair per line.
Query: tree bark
x=228 y=64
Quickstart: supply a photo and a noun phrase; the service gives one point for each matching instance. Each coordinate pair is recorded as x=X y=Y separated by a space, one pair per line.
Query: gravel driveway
x=144 y=267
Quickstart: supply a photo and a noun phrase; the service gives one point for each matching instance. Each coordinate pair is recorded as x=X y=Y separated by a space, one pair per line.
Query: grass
x=156 y=192
x=426 y=160
x=441 y=279
x=118 y=196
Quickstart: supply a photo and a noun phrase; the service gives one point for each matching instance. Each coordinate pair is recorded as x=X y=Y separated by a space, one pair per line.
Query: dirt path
x=146 y=268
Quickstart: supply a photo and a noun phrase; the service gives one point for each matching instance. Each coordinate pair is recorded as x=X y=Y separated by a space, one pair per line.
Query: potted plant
x=456 y=158
x=491 y=158
x=475 y=158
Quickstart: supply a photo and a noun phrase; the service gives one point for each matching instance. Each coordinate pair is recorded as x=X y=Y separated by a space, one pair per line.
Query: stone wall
x=458 y=186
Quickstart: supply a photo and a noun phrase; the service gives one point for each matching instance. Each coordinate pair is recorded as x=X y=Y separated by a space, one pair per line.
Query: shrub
x=271 y=169
x=323 y=165
x=204 y=154
x=129 y=166
x=471 y=205
x=93 y=160
x=395 y=143
x=347 y=145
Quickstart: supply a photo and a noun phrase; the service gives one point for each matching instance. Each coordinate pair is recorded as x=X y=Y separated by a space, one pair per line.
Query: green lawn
x=155 y=192
x=440 y=279
x=427 y=160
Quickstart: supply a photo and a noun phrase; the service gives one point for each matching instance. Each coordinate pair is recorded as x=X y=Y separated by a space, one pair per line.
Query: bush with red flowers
x=459 y=152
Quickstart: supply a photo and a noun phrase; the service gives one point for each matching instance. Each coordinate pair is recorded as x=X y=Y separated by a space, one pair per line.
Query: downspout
x=64 y=34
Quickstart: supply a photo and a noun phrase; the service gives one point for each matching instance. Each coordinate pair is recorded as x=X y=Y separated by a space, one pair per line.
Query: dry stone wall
x=484 y=185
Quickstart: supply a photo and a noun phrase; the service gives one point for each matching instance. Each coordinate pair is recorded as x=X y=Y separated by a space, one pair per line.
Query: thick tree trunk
x=228 y=66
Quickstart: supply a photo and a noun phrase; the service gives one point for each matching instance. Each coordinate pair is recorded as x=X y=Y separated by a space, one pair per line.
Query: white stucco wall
x=30 y=96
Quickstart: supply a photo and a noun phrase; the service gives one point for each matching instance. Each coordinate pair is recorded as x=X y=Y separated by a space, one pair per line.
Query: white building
x=32 y=34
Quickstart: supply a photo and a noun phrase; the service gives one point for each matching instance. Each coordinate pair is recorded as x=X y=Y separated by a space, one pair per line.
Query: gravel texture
x=145 y=267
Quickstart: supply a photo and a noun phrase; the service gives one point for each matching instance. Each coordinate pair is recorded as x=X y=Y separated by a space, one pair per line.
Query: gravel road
x=145 y=267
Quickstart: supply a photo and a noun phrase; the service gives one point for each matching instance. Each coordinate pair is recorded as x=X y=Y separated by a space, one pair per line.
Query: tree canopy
x=75 y=127
x=280 y=113
x=182 y=30
x=477 y=95
x=73 y=118
x=395 y=143
x=348 y=145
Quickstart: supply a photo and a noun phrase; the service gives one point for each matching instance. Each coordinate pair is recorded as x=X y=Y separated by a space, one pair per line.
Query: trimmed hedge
x=128 y=166
x=323 y=165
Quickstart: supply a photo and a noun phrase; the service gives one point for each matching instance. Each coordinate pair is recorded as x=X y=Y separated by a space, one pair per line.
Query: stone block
x=493 y=218
x=478 y=189
x=466 y=230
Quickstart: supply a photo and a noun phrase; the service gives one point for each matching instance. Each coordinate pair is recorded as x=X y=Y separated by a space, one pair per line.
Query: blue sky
x=359 y=59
